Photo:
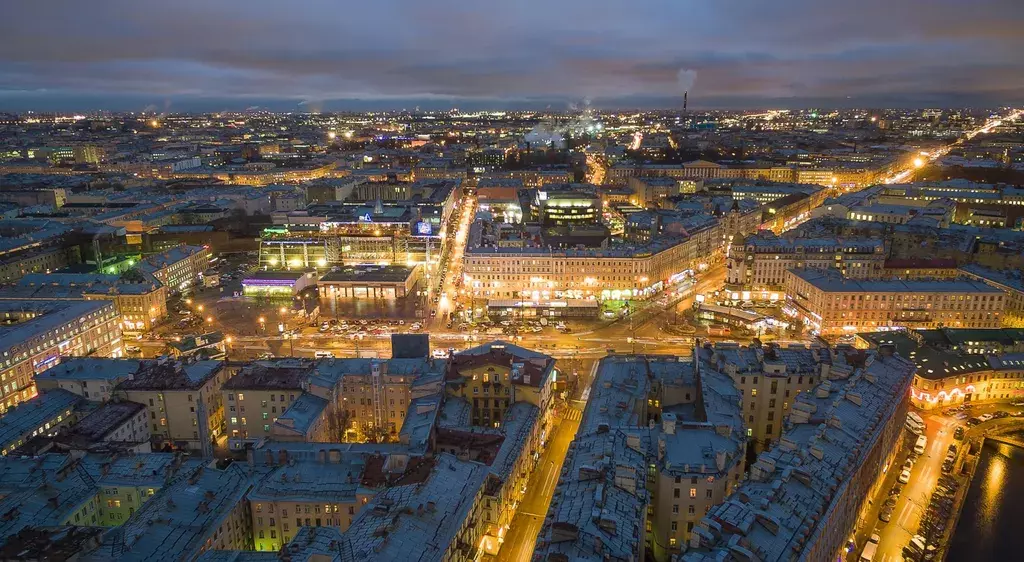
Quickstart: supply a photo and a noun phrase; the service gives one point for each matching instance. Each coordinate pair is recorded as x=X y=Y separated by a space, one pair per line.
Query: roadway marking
x=529 y=514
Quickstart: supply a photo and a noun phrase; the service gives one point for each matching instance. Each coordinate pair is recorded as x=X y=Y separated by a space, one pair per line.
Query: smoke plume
x=686 y=78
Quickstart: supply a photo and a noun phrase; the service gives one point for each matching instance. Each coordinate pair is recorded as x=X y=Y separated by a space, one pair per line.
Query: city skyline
x=394 y=55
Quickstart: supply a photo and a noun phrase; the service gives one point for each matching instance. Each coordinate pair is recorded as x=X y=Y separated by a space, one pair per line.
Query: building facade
x=831 y=305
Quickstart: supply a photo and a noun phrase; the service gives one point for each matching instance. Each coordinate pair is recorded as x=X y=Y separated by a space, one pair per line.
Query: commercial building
x=958 y=366
x=178 y=268
x=386 y=282
x=831 y=305
x=804 y=497
x=563 y=206
x=182 y=399
x=277 y=284
x=758 y=263
x=1010 y=281
x=37 y=335
x=500 y=197
x=625 y=271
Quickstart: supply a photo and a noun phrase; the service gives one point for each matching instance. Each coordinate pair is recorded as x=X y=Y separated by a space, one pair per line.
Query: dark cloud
x=529 y=51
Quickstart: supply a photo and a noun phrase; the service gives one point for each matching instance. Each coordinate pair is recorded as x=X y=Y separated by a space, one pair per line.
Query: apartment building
x=92 y=378
x=1008 y=280
x=494 y=376
x=832 y=305
x=804 y=497
x=758 y=263
x=296 y=493
x=768 y=379
x=40 y=416
x=38 y=334
x=258 y=394
x=141 y=304
x=183 y=401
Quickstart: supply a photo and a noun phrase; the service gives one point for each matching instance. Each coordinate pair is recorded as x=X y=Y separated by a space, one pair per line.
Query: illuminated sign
x=366 y=218
x=424 y=228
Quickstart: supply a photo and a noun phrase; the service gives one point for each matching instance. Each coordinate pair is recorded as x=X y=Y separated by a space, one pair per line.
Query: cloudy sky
x=338 y=54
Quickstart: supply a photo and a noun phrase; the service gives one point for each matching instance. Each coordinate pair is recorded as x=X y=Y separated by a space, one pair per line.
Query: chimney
x=668 y=423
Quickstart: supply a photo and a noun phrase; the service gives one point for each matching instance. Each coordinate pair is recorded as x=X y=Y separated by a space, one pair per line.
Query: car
x=958 y=433
x=885 y=515
x=890 y=503
x=985 y=417
x=1017 y=414
x=904 y=477
x=896 y=490
x=909 y=464
x=1000 y=415
x=1019 y=403
x=952 y=448
x=133 y=349
x=973 y=421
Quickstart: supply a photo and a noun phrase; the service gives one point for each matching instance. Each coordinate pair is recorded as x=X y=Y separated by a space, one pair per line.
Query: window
x=690 y=510
x=693 y=492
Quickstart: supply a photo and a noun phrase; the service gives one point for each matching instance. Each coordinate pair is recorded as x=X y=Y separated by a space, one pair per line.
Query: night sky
x=350 y=54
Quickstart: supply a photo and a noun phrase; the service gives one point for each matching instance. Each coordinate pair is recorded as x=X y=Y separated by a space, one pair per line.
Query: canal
x=989 y=525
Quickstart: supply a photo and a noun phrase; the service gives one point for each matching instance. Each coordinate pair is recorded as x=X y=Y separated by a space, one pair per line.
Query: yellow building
x=493 y=376
x=184 y=403
x=831 y=305
x=39 y=334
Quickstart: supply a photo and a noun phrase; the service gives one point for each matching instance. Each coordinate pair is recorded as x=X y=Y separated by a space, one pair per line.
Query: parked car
x=904 y=477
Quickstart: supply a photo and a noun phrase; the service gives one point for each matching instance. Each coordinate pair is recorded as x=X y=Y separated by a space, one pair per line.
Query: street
x=529 y=518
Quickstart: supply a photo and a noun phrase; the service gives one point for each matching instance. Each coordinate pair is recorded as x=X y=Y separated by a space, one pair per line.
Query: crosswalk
x=572 y=414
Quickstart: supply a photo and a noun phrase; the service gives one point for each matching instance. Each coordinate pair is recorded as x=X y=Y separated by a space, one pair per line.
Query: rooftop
x=833 y=281
x=91 y=369
x=165 y=374
x=535 y=370
x=301 y=413
x=286 y=374
x=33 y=318
x=179 y=519
x=793 y=487
x=24 y=420
x=369 y=273
x=100 y=423
x=419 y=522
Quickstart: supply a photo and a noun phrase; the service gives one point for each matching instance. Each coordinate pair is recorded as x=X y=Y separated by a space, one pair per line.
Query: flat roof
x=91 y=369
x=834 y=282
x=46 y=315
x=369 y=273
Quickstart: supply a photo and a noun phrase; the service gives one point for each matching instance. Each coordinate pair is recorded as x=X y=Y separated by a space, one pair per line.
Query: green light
x=131 y=263
x=110 y=270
